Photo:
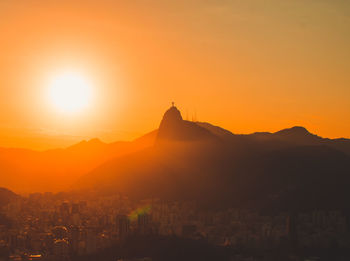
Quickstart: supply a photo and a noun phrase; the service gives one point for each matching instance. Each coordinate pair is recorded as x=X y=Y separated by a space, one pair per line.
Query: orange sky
x=244 y=65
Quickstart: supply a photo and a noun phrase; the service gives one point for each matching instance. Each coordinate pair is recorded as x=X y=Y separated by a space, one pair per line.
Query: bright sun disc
x=70 y=92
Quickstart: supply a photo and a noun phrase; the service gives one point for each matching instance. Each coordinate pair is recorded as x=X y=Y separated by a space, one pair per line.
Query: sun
x=70 y=92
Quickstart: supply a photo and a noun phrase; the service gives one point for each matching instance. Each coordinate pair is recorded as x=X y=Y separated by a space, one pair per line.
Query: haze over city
x=152 y=130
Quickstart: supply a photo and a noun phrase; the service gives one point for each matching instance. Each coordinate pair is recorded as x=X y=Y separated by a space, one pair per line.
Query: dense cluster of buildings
x=53 y=227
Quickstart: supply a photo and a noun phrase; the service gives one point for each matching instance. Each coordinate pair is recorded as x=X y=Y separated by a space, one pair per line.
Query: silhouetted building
x=75 y=208
x=61 y=250
x=60 y=232
x=123 y=226
x=143 y=223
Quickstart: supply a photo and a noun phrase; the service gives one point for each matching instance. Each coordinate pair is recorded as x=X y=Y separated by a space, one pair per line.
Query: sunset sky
x=245 y=65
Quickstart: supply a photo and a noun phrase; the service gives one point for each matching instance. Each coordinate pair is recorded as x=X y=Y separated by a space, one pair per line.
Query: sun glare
x=70 y=92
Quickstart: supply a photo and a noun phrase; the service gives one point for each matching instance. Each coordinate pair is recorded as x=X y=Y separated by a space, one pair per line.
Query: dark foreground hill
x=290 y=169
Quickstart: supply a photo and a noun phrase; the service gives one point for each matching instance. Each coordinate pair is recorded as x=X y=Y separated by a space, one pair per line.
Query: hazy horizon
x=168 y=130
x=244 y=65
x=43 y=141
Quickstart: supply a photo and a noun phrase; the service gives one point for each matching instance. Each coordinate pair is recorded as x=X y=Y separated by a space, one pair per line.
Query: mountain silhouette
x=203 y=162
x=174 y=128
x=194 y=161
x=55 y=170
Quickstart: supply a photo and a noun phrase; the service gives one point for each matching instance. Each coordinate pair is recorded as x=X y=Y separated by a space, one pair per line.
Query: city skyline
x=174 y=130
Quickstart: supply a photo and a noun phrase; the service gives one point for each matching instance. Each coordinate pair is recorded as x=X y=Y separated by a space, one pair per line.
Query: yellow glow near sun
x=70 y=92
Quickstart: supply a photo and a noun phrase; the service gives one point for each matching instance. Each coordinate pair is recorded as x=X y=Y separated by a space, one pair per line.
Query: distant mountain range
x=194 y=161
x=198 y=161
x=24 y=170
